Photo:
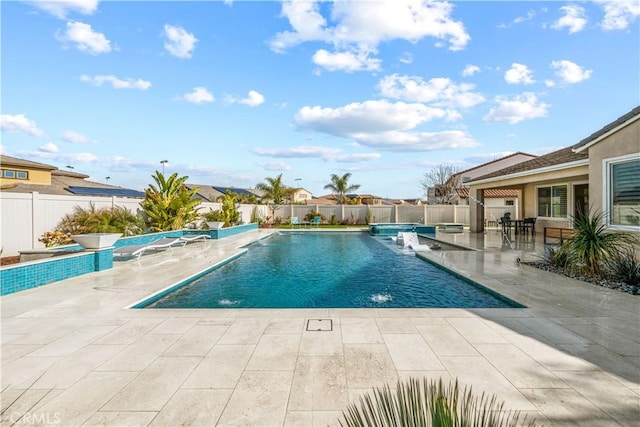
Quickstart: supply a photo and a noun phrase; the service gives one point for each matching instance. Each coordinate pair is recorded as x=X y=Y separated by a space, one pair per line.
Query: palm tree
x=168 y=205
x=340 y=186
x=274 y=193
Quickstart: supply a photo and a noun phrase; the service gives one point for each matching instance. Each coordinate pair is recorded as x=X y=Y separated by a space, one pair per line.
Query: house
x=25 y=176
x=601 y=172
x=301 y=195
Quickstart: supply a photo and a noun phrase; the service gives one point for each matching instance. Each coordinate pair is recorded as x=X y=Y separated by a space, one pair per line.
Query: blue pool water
x=324 y=270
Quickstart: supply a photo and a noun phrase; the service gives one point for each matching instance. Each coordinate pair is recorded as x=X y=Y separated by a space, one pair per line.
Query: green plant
x=55 y=238
x=625 y=268
x=425 y=403
x=274 y=193
x=116 y=219
x=340 y=186
x=169 y=205
x=212 y=215
x=333 y=220
x=256 y=217
x=312 y=214
x=591 y=245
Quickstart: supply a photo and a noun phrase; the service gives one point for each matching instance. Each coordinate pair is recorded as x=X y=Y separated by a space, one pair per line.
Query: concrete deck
x=72 y=354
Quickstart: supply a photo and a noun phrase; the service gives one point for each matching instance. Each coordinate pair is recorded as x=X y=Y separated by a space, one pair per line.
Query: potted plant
x=96 y=240
x=214 y=219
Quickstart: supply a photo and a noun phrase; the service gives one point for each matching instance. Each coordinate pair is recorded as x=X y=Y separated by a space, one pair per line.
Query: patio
x=72 y=354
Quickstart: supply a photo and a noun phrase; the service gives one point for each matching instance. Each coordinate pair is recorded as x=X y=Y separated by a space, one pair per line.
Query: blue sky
x=233 y=92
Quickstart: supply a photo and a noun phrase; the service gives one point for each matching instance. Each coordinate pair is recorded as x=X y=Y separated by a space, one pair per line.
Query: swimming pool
x=329 y=270
x=392 y=229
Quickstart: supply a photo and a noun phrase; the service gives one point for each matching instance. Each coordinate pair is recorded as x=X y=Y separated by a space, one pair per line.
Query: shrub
x=312 y=214
x=117 y=219
x=626 y=268
x=169 y=205
x=429 y=404
x=55 y=238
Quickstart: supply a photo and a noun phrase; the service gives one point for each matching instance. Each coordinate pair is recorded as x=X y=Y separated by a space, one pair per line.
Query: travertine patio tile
x=606 y=393
x=360 y=330
x=193 y=407
x=140 y=354
x=520 y=369
x=221 y=368
x=120 y=419
x=275 y=352
x=285 y=325
x=567 y=408
x=429 y=375
x=594 y=356
x=395 y=325
x=549 y=355
x=445 y=340
x=71 y=342
x=319 y=383
x=553 y=332
x=326 y=418
x=476 y=372
x=197 y=342
x=624 y=345
x=260 y=399
x=130 y=331
x=19 y=403
x=298 y=419
x=322 y=343
x=150 y=390
x=476 y=331
x=80 y=401
x=429 y=320
x=176 y=325
x=420 y=358
x=23 y=372
x=368 y=365
x=70 y=369
x=245 y=331
x=10 y=352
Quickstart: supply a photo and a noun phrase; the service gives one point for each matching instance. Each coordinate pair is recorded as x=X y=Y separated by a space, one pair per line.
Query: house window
x=509 y=203
x=623 y=192
x=22 y=175
x=9 y=174
x=552 y=201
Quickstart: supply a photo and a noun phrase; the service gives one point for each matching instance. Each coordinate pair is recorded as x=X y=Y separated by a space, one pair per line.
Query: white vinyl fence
x=26 y=217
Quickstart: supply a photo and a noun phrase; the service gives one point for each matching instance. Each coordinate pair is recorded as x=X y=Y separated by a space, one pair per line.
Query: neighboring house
x=354 y=199
x=601 y=172
x=211 y=193
x=25 y=176
x=300 y=195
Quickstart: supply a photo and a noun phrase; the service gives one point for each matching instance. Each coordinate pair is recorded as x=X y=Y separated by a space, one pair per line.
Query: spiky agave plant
x=425 y=403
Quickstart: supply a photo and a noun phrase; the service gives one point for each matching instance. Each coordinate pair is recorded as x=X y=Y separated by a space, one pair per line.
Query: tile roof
x=491 y=193
x=496 y=160
x=13 y=161
x=620 y=120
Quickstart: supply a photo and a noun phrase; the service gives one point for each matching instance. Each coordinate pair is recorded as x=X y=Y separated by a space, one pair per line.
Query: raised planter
x=96 y=240
x=215 y=225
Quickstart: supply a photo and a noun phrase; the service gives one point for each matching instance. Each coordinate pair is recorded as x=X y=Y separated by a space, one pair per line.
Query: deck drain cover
x=319 y=325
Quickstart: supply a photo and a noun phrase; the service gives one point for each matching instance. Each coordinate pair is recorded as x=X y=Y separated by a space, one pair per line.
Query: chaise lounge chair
x=194 y=237
x=138 y=250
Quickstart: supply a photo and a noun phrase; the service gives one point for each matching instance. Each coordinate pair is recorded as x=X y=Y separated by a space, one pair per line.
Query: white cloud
x=549 y=83
x=382 y=124
x=439 y=91
x=49 y=147
x=253 y=99
x=470 y=70
x=406 y=58
x=574 y=19
x=312 y=151
x=570 y=72
x=3 y=150
x=179 y=43
x=74 y=137
x=522 y=107
x=84 y=38
x=359 y=27
x=199 y=95
x=519 y=73
x=69 y=158
x=276 y=166
x=116 y=82
x=61 y=8
x=345 y=61
x=19 y=123
x=619 y=14
x=519 y=19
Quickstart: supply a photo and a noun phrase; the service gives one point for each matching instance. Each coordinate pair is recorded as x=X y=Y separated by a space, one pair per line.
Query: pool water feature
x=329 y=270
x=390 y=229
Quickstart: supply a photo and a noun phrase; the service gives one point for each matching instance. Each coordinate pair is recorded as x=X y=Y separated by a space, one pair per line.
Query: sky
x=232 y=92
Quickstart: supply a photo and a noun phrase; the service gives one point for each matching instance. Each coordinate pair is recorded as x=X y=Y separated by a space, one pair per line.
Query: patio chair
x=505 y=222
x=529 y=224
x=316 y=221
x=294 y=221
x=194 y=237
x=156 y=245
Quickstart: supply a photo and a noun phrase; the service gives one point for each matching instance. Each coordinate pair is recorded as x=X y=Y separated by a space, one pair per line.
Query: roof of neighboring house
x=236 y=190
x=13 y=161
x=492 y=193
x=212 y=192
x=495 y=161
x=558 y=157
x=63 y=182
